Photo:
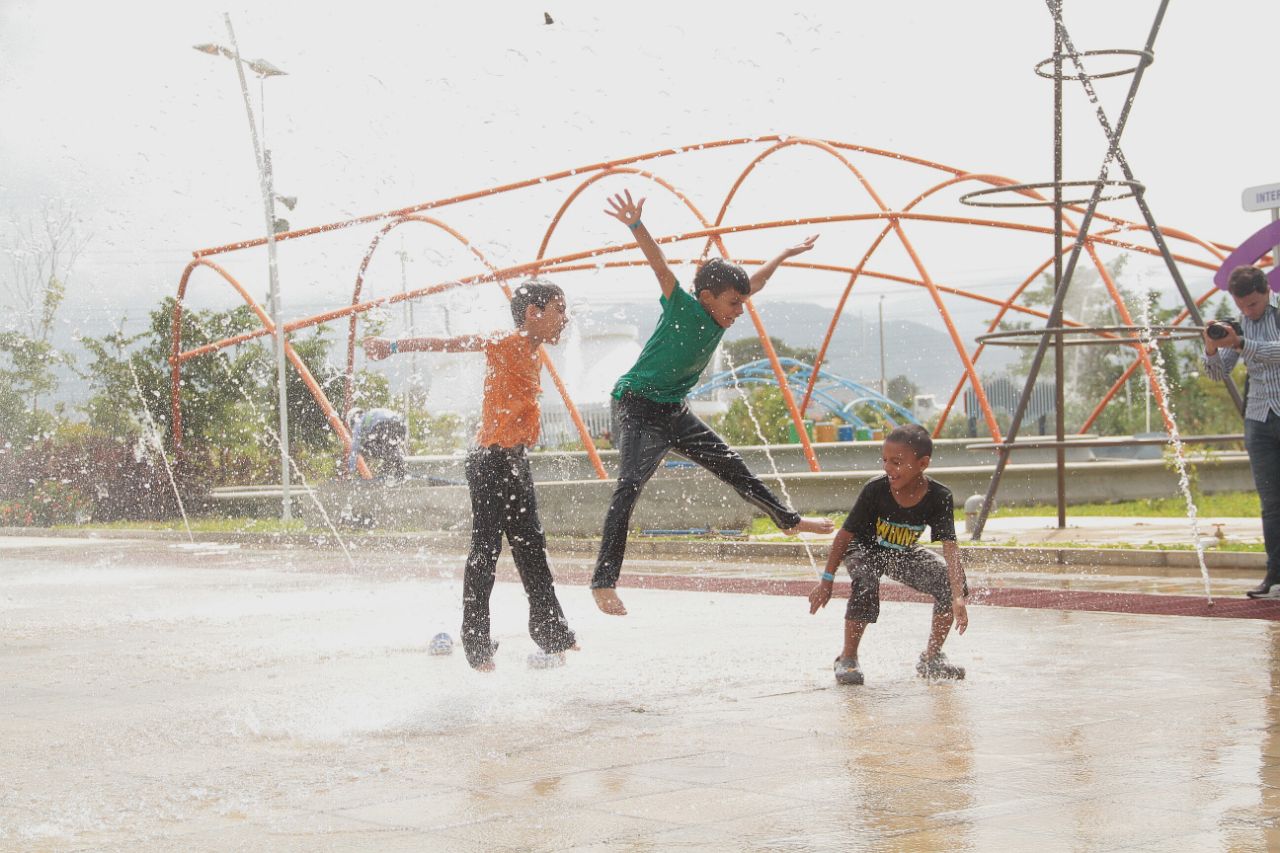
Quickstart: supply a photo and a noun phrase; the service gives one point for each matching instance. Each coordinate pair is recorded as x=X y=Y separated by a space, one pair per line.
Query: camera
x=1218 y=329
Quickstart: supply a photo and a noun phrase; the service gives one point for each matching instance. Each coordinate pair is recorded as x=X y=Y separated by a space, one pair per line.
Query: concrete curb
x=1028 y=558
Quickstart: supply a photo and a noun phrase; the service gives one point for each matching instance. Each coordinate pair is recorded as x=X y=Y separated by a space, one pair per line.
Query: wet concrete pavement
x=209 y=698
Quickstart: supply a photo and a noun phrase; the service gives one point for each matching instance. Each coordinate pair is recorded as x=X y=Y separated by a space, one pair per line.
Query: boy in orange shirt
x=498 y=476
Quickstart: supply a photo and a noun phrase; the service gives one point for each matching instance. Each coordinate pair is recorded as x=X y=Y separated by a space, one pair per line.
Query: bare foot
x=487 y=666
x=608 y=602
x=575 y=648
x=812 y=525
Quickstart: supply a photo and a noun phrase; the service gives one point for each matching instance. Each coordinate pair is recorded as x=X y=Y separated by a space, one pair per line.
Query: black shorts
x=923 y=571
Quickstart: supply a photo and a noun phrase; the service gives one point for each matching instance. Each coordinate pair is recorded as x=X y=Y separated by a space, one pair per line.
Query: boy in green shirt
x=650 y=415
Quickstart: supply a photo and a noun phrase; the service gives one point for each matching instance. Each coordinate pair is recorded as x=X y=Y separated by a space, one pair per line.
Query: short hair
x=537 y=292
x=1246 y=280
x=914 y=436
x=718 y=275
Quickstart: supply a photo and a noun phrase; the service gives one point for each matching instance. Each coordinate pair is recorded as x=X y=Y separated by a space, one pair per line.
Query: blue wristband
x=395 y=347
x=634 y=225
x=827 y=576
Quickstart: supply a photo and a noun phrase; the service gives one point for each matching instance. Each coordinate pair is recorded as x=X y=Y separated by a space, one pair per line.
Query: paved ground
x=204 y=698
x=1104 y=530
x=1109 y=530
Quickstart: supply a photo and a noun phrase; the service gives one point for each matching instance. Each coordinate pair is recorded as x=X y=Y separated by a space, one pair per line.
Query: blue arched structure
x=828 y=391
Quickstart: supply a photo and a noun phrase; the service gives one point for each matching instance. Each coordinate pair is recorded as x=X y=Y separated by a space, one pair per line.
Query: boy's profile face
x=901 y=464
x=724 y=307
x=545 y=324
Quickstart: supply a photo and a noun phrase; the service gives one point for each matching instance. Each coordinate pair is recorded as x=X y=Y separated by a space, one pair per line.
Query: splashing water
x=764 y=443
x=151 y=432
x=1152 y=346
x=265 y=424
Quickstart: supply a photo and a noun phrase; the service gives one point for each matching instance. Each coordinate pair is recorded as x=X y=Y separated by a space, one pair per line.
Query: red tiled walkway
x=1036 y=598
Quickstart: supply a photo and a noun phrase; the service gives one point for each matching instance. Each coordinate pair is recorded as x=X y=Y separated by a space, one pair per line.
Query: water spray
x=275 y=435
x=152 y=432
x=764 y=442
x=1156 y=357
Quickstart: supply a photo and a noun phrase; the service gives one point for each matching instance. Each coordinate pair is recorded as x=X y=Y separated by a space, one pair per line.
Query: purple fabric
x=1250 y=252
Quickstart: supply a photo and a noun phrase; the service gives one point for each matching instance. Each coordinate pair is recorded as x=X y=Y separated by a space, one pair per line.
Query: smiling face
x=544 y=325
x=901 y=465
x=725 y=307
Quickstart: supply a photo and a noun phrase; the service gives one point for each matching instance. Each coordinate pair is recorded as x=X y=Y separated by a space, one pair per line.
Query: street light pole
x=882 y=382
x=262 y=157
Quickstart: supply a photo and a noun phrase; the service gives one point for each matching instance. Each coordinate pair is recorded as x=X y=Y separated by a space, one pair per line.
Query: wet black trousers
x=643 y=432
x=386 y=443
x=502 y=502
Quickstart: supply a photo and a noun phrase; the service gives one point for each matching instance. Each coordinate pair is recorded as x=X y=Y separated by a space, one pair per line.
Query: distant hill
x=920 y=350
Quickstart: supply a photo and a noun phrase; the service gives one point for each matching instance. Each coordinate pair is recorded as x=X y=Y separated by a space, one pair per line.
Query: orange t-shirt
x=509 y=414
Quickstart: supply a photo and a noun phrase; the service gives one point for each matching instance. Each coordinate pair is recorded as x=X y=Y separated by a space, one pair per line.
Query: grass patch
x=1233 y=547
x=206 y=525
x=1225 y=505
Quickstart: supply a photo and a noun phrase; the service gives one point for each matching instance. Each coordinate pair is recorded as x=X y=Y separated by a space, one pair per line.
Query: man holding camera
x=1256 y=339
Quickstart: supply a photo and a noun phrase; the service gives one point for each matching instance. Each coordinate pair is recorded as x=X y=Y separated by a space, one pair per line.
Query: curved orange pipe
x=895 y=222
x=844 y=296
x=335 y=422
x=763 y=335
x=576 y=416
x=1124 y=377
x=555 y=176
x=896 y=225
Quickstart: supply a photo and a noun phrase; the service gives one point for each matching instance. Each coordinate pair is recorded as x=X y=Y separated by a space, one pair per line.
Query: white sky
x=105 y=107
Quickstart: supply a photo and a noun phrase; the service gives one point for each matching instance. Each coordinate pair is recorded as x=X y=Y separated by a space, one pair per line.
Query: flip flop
x=441 y=644
x=546 y=660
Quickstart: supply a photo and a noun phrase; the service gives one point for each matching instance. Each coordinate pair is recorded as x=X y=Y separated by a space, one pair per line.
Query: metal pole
x=286 y=505
x=882 y=382
x=1082 y=232
x=1193 y=310
x=411 y=386
x=263 y=159
x=1059 y=397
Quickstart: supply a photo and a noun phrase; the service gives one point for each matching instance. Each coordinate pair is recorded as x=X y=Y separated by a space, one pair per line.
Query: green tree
x=40 y=254
x=901 y=390
x=737 y=426
x=1198 y=405
x=229 y=401
x=745 y=350
x=25 y=374
x=429 y=434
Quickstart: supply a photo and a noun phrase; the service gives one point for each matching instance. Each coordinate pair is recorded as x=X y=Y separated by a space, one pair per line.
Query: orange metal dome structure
x=895 y=226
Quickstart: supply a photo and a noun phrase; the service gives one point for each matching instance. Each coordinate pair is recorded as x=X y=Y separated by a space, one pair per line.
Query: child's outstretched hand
x=961 y=614
x=819 y=596
x=800 y=248
x=623 y=209
x=377 y=348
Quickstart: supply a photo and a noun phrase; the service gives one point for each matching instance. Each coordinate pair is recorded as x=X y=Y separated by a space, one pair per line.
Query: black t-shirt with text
x=878 y=521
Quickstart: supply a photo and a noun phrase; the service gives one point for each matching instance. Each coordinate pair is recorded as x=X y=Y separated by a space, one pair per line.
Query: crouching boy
x=880 y=537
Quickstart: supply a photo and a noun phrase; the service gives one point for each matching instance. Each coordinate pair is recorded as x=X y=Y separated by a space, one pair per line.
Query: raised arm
x=380 y=348
x=762 y=275
x=626 y=211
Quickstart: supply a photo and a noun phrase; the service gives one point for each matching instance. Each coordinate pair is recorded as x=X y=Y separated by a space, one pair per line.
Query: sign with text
x=1264 y=197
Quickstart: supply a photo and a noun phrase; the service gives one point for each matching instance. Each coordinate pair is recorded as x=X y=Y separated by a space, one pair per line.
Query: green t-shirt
x=677 y=351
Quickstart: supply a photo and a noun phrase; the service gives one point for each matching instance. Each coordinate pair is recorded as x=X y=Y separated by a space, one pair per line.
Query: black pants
x=1262 y=440
x=386 y=443
x=502 y=501
x=643 y=432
